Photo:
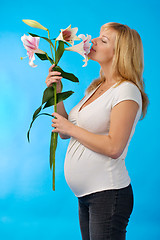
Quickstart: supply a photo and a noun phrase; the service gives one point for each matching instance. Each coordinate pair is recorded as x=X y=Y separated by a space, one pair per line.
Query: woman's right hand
x=54 y=76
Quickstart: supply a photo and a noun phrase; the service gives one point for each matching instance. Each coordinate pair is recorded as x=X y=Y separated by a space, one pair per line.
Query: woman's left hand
x=61 y=124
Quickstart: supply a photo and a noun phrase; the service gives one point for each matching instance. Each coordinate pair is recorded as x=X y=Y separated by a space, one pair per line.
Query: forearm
x=61 y=110
x=98 y=143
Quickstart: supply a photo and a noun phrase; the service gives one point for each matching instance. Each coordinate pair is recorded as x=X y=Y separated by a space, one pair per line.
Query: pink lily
x=82 y=48
x=68 y=35
x=31 y=45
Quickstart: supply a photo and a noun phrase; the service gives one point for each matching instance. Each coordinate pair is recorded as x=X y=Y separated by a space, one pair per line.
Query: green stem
x=55 y=53
x=49 y=58
x=53 y=135
x=50 y=44
x=55 y=88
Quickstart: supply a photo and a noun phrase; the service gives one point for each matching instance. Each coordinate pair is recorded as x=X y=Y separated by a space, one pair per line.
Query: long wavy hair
x=128 y=61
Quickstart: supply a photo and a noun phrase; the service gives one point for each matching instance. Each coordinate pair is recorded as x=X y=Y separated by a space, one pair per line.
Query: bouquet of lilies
x=50 y=96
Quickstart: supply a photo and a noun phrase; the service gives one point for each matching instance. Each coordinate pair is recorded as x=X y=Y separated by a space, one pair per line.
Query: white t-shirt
x=87 y=171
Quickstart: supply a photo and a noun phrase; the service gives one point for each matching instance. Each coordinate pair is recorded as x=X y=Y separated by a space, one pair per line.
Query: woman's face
x=102 y=49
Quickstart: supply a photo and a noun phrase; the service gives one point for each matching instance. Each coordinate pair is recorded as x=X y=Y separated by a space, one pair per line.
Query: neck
x=108 y=73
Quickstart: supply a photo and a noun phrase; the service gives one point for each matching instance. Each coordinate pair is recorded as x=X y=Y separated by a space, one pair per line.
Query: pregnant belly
x=85 y=170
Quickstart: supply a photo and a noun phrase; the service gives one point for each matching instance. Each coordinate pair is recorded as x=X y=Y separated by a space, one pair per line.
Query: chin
x=91 y=57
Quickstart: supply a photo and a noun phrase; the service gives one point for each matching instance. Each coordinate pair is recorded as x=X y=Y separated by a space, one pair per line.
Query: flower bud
x=34 y=24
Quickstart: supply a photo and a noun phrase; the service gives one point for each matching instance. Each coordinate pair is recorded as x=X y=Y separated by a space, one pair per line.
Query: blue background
x=29 y=209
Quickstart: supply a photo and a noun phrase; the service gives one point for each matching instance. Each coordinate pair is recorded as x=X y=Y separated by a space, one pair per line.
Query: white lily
x=31 y=45
x=82 y=48
x=68 y=35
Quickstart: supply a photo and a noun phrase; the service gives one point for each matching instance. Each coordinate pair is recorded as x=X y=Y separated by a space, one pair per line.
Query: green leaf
x=66 y=44
x=43 y=57
x=63 y=95
x=34 y=120
x=66 y=75
x=36 y=112
x=70 y=76
x=33 y=35
x=59 y=51
x=47 y=94
x=48 y=40
x=61 y=86
x=60 y=97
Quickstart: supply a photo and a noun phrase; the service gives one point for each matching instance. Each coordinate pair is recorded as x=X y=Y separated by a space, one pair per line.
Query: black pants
x=104 y=215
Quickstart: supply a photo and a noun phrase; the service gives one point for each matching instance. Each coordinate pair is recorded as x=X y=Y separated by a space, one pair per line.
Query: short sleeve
x=127 y=91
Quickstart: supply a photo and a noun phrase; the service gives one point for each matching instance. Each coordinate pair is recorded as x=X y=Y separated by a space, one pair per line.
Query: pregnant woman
x=100 y=128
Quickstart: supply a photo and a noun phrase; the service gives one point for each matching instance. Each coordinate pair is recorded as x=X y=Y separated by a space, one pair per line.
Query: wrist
x=59 y=90
x=72 y=130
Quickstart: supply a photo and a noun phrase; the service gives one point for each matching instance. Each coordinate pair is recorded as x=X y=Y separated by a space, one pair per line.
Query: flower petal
x=82 y=48
x=85 y=60
x=31 y=44
x=31 y=63
x=76 y=38
x=74 y=31
x=68 y=35
x=82 y=36
x=60 y=37
x=76 y=48
x=31 y=55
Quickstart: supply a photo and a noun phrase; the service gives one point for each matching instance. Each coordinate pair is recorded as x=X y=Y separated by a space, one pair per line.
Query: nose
x=94 y=41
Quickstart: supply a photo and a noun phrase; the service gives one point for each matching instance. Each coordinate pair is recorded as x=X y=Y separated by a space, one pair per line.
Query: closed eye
x=104 y=41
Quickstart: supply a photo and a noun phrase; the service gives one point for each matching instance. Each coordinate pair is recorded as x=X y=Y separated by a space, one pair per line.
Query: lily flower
x=82 y=48
x=31 y=45
x=68 y=35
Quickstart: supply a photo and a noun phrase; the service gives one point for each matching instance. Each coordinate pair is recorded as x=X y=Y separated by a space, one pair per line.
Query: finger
x=55 y=114
x=51 y=67
x=56 y=78
x=54 y=120
x=54 y=73
x=53 y=79
x=51 y=84
x=55 y=130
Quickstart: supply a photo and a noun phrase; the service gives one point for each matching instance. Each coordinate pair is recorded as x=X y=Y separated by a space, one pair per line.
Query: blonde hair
x=128 y=61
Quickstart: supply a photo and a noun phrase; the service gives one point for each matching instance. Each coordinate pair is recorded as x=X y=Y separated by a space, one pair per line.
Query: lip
x=93 y=49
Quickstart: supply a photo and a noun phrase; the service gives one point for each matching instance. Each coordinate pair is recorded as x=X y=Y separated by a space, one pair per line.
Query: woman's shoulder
x=127 y=86
x=125 y=82
x=127 y=90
